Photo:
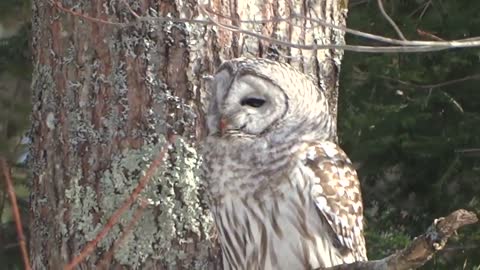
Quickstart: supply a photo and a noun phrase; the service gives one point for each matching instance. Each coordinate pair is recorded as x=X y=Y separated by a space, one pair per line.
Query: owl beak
x=222 y=125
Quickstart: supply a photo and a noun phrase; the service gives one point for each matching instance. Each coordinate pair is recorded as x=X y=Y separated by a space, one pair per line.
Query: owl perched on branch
x=282 y=195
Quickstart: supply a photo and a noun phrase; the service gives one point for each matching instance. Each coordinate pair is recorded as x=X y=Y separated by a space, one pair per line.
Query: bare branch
x=429 y=35
x=103 y=262
x=421 y=249
x=355 y=48
x=59 y=6
x=390 y=20
x=16 y=212
x=427 y=5
x=422 y=6
x=406 y=46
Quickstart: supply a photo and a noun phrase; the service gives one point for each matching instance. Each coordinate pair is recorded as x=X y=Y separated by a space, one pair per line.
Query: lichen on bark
x=105 y=98
x=171 y=202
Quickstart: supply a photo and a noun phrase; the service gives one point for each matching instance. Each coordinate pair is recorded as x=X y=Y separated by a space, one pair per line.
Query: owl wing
x=336 y=193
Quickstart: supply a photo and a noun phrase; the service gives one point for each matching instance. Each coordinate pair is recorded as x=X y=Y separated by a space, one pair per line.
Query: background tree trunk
x=105 y=98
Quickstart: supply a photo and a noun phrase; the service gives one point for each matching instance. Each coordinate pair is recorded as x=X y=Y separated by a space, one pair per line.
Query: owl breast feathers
x=283 y=195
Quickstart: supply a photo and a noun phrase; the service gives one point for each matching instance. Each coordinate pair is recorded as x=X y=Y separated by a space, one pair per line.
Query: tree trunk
x=105 y=97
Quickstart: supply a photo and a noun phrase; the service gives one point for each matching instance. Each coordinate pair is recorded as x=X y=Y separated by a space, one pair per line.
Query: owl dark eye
x=252 y=102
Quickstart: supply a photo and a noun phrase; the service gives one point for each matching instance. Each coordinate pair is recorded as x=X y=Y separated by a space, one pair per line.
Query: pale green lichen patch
x=172 y=214
x=82 y=202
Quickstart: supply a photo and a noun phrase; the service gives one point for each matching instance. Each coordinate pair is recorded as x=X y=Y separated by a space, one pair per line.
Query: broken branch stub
x=421 y=249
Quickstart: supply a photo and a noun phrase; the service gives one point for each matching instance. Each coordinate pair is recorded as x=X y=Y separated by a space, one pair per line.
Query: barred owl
x=283 y=195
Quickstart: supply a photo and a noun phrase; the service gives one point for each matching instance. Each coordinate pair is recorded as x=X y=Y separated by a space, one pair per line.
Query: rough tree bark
x=105 y=98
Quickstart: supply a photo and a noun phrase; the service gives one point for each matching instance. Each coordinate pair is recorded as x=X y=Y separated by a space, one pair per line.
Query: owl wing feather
x=336 y=193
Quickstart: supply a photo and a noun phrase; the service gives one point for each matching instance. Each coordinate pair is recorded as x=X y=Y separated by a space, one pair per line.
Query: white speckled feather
x=282 y=195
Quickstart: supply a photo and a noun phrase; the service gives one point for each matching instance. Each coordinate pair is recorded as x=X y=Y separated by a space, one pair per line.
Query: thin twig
x=16 y=212
x=416 y=10
x=81 y=15
x=391 y=40
x=390 y=20
x=138 y=18
x=432 y=86
x=429 y=35
x=427 y=5
x=116 y=215
x=410 y=46
x=355 y=48
x=130 y=226
x=131 y=10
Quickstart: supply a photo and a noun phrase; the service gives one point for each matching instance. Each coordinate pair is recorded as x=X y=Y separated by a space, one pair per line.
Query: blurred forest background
x=410 y=122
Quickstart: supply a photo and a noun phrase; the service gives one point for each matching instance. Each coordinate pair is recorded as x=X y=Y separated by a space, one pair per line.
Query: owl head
x=253 y=98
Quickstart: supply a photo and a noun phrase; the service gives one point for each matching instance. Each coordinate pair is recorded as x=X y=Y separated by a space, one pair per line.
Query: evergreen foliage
x=412 y=128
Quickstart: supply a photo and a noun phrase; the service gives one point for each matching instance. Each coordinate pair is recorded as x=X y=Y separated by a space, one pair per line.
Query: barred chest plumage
x=266 y=218
x=283 y=194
